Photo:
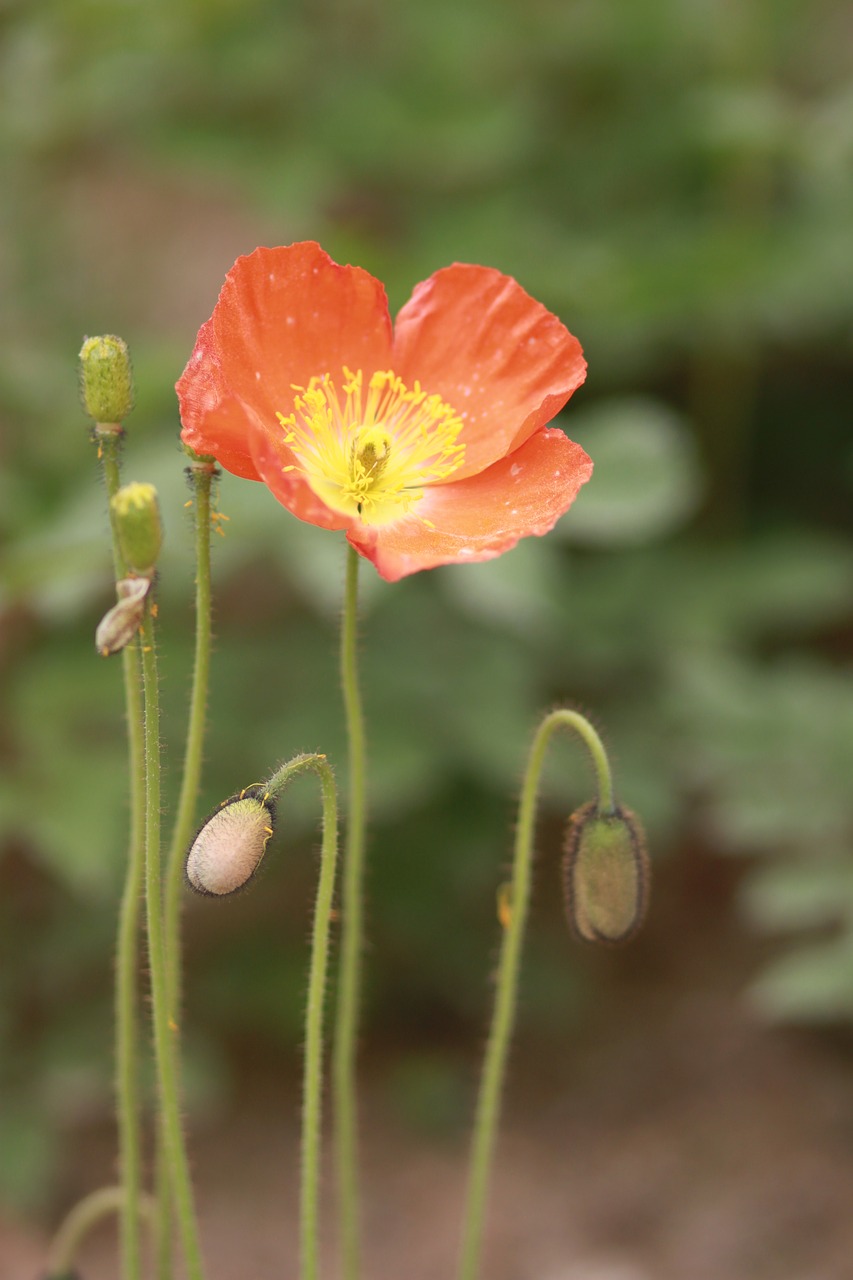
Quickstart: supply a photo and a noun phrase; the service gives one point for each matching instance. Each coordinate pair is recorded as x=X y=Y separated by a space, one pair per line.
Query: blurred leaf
x=67 y=793
x=801 y=896
x=516 y=592
x=646 y=477
x=29 y=1150
x=810 y=984
x=772 y=751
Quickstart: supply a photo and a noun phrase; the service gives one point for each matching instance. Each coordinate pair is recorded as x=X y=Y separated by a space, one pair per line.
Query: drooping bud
x=120 y=624
x=136 y=513
x=607 y=873
x=228 y=847
x=106 y=379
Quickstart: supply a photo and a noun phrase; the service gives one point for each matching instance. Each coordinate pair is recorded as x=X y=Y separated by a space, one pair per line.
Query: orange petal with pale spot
x=505 y=363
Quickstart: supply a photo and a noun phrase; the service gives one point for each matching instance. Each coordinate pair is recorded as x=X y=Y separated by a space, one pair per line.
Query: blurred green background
x=673 y=179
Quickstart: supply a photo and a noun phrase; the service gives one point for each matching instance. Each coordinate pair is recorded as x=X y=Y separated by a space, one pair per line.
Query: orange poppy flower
x=426 y=441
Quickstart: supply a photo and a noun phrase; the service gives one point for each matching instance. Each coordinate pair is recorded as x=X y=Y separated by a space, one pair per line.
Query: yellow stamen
x=369 y=452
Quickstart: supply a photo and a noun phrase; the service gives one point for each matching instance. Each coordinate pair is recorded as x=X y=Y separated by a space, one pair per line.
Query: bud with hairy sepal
x=106 y=379
x=229 y=846
x=607 y=872
x=136 y=515
x=120 y=624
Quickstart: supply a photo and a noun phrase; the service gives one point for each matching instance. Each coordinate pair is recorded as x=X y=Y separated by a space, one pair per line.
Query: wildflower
x=427 y=441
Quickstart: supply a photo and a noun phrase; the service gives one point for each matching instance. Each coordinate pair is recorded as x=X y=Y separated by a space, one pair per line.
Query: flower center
x=369 y=452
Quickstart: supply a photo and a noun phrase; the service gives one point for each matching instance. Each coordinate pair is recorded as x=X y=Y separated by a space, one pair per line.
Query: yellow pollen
x=370 y=451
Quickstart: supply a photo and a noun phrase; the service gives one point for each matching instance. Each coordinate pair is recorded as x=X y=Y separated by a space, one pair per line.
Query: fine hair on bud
x=136 y=513
x=106 y=379
x=606 y=874
x=229 y=846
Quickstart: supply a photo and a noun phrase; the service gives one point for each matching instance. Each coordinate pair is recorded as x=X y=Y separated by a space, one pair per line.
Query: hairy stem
x=164 y=1048
x=506 y=991
x=312 y=1094
x=86 y=1215
x=127 y=940
x=349 y=986
x=201 y=475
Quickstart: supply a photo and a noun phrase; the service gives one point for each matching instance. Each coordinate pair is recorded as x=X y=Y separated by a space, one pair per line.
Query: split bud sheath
x=606 y=874
x=136 y=515
x=228 y=847
x=106 y=379
x=120 y=624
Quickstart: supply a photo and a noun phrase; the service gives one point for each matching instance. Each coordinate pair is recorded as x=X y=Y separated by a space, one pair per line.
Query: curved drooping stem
x=86 y=1215
x=224 y=855
x=349 y=987
x=506 y=992
x=312 y=1098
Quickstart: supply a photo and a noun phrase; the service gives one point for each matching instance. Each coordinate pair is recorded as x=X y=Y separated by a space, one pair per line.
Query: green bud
x=229 y=846
x=106 y=379
x=120 y=624
x=607 y=874
x=136 y=514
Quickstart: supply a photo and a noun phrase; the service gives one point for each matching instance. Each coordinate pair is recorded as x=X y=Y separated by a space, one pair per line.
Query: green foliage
x=675 y=181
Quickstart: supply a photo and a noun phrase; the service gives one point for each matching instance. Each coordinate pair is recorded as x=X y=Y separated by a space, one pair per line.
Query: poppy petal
x=273 y=462
x=501 y=359
x=484 y=515
x=213 y=421
x=286 y=315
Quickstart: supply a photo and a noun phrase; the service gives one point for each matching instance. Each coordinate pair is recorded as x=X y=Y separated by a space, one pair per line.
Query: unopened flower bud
x=106 y=379
x=136 y=513
x=607 y=874
x=229 y=846
x=120 y=624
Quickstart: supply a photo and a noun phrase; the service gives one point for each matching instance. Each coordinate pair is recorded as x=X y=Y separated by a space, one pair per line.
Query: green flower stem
x=349 y=985
x=164 y=1241
x=506 y=993
x=313 y=1068
x=85 y=1215
x=313 y=1079
x=164 y=1048
x=201 y=475
x=127 y=941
